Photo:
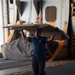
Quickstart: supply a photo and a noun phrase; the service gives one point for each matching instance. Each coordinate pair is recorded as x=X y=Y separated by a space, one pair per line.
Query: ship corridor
x=20 y=19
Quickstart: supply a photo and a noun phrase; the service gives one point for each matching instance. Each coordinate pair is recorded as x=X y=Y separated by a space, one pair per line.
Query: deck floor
x=23 y=67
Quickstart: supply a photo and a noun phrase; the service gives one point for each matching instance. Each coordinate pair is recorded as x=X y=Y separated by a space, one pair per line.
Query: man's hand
x=56 y=29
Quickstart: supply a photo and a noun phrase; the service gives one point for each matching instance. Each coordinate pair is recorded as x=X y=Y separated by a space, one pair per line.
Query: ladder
x=59 y=48
x=73 y=45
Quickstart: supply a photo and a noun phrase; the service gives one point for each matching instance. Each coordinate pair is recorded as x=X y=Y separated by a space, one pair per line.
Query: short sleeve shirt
x=38 y=45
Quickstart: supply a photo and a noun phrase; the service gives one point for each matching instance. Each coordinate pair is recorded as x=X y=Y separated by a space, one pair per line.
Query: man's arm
x=51 y=39
x=53 y=35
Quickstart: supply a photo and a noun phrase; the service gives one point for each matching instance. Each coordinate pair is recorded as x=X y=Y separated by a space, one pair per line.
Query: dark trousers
x=38 y=64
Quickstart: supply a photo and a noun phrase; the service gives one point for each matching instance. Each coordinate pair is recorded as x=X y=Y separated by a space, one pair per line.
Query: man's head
x=38 y=33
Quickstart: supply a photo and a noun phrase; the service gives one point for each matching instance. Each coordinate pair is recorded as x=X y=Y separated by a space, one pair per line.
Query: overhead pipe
x=11 y=1
x=38 y=7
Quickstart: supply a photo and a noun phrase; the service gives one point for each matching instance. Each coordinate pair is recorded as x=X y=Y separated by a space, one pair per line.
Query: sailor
x=38 y=55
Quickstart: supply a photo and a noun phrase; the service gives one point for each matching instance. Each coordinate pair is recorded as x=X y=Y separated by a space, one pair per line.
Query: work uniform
x=38 y=55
